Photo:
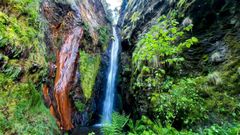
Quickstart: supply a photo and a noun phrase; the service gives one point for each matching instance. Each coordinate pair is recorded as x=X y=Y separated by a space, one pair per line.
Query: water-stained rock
x=71 y=26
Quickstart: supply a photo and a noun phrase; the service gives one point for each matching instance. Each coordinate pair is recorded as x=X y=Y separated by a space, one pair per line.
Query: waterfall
x=111 y=80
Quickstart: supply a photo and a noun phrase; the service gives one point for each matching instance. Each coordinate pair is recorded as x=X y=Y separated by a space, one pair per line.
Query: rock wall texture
x=73 y=28
x=22 y=69
x=215 y=24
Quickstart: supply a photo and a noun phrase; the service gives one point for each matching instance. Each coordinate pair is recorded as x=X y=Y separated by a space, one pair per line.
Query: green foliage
x=164 y=42
x=80 y=106
x=145 y=126
x=226 y=129
x=104 y=37
x=174 y=98
x=21 y=36
x=20 y=30
x=89 y=66
x=21 y=109
x=116 y=127
x=192 y=101
x=159 y=49
x=180 y=103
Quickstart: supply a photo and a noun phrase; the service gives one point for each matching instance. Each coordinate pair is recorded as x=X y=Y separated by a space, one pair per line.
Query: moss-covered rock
x=200 y=90
x=89 y=67
x=23 y=66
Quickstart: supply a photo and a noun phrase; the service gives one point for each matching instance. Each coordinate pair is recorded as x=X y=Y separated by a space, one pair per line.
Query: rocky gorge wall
x=22 y=69
x=214 y=58
x=76 y=37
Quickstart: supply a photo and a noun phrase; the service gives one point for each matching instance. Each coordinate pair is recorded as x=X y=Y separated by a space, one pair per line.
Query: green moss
x=89 y=66
x=80 y=106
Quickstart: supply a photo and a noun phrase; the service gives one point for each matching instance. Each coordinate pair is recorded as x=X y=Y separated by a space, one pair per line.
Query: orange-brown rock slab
x=66 y=70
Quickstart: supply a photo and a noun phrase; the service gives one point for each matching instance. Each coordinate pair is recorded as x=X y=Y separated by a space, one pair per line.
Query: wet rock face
x=64 y=36
x=66 y=71
x=213 y=20
x=64 y=40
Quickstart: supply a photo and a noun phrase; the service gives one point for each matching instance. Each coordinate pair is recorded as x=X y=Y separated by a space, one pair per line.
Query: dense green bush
x=163 y=43
x=180 y=104
x=145 y=126
x=158 y=52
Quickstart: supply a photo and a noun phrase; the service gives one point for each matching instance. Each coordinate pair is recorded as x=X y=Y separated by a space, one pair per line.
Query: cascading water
x=111 y=81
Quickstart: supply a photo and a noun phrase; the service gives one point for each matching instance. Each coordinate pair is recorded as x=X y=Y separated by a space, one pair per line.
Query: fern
x=116 y=127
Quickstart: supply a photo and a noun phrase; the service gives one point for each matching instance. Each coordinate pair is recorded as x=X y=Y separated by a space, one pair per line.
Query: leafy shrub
x=163 y=43
x=227 y=129
x=145 y=126
x=157 y=54
x=191 y=101
x=181 y=104
x=158 y=49
x=183 y=101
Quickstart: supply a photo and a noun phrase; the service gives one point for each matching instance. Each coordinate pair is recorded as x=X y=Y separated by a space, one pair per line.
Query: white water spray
x=111 y=81
x=113 y=67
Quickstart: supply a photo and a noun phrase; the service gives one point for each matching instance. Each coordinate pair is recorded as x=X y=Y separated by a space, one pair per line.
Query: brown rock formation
x=63 y=34
x=66 y=71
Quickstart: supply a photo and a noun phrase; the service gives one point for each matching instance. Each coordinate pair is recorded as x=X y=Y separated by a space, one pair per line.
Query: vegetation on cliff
x=89 y=67
x=23 y=66
x=181 y=84
x=179 y=76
